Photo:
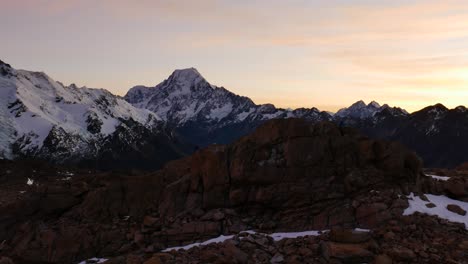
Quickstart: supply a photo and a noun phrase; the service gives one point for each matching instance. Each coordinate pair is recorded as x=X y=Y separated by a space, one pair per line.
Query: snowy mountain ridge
x=36 y=111
x=360 y=110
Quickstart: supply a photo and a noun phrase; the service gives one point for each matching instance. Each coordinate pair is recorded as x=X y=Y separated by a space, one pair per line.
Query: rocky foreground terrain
x=290 y=192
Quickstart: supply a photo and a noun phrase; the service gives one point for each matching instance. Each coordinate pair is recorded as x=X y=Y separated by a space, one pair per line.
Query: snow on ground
x=280 y=236
x=440 y=178
x=416 y=204
x=275 y=236
x=30 y=182
x=219 y=239
x=93 y=260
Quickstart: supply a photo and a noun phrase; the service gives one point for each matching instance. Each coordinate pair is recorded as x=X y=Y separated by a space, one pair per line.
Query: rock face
x=287 y=165
x=287 y=175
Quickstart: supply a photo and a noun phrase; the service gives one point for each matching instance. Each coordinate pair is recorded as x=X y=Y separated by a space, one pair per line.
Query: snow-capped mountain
x=361 y=111
x=205 y=113
x=43 y=118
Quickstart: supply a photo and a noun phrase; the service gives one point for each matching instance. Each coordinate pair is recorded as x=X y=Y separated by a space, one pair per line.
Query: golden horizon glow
x=324 y=54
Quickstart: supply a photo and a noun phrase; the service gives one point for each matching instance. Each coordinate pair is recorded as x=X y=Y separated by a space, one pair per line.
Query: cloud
x=354 y=48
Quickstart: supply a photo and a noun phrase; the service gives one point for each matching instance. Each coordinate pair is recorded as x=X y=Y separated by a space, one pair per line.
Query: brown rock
x=389 y=235
x=6 y=260
x=234 y=253
x=209 y=255
x=456 y=209
x=348 y=236
x=382 y=259
x=134 y=259
x=306 y=252
x=463 y=245
x=138 y=237
x=430 y=205
x=159 y=258
x=403 y=254
x=149 y=221
x=213 y=215
x=372 y=215
x=456 y=187
x=348 y=253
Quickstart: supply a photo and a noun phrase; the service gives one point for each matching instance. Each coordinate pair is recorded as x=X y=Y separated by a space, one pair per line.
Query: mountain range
x=43 y=119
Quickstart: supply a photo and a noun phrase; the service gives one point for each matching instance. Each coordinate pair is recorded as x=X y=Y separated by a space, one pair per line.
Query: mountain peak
x=5 y=64
x=188 y=75
x=360 y=110
x=359 y=104
x=374 y=104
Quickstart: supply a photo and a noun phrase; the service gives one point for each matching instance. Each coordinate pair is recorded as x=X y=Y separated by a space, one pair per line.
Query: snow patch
x=440 y=178
x=93 y=261
x=416 y=204
x=219 y=239
x=30 y=182
x=275 y=236
x=221 y=112
x=280 y=236
x=242 y=116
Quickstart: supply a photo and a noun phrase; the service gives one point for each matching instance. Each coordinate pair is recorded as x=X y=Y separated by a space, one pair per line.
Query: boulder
x=456 y=209
x=347 y=253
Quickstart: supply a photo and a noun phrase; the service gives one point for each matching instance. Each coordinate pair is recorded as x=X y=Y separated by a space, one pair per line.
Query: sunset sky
x=326 y=54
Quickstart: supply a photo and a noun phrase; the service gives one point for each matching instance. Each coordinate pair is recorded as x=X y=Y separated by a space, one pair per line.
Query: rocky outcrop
x=287 y=175
x=287 y=166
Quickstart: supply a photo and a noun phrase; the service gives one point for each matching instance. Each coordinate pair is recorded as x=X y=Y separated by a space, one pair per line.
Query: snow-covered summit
x=186 y=97
x=189 y=76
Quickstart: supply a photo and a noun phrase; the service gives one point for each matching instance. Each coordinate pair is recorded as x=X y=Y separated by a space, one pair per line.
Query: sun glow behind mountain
x=326 y=54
